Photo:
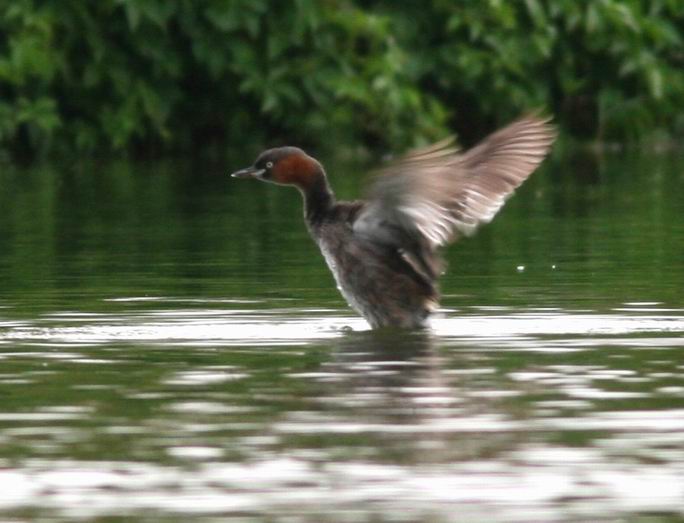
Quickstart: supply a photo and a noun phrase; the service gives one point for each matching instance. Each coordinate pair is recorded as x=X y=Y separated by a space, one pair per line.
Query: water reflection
x=526 y=412
x=297 y=325
x=161 y=359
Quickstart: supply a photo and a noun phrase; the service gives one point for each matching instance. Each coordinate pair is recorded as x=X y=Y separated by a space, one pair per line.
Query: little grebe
x=383 y=252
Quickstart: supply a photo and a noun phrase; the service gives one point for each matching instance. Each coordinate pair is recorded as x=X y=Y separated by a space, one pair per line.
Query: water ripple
x=538 y=414
x=245 y=327
x=522 y=486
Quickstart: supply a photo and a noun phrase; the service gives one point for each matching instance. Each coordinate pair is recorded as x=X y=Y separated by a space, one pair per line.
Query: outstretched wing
x=434 y=195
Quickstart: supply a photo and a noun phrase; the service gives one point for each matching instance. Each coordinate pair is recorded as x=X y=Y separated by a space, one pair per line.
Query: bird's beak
x=248 y=172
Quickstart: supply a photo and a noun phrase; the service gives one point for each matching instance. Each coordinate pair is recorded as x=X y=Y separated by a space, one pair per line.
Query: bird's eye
x=269 y=165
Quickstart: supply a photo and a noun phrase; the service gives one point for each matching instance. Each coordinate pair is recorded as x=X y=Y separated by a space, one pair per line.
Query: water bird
x=384 y=252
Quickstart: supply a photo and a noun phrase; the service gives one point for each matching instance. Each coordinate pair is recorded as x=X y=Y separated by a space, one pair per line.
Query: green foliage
x=161 y=75
x=607 y=69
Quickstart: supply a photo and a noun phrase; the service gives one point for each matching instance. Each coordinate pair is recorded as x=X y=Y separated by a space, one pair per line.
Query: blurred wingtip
x=542 y=118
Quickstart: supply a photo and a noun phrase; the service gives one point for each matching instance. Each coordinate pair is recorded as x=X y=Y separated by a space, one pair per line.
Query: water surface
x=172 y=348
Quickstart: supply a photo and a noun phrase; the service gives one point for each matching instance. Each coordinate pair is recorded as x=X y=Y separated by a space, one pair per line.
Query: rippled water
x=172 y=349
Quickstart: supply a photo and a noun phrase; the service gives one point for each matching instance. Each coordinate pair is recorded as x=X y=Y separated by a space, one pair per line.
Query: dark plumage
x=383 y=252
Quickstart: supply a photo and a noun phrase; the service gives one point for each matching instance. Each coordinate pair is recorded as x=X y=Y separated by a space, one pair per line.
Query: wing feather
x=436 y=194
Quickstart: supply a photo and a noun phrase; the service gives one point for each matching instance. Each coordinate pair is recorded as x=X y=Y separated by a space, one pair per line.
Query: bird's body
x=383 y=252
x=374 y=278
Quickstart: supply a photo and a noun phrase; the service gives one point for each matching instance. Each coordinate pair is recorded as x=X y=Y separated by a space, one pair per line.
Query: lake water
x=172 y=348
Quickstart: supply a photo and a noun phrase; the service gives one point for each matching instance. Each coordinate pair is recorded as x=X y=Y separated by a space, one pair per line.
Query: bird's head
x=284 y=166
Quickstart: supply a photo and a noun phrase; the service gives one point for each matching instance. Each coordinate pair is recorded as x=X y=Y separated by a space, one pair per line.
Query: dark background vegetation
x=172 y=76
